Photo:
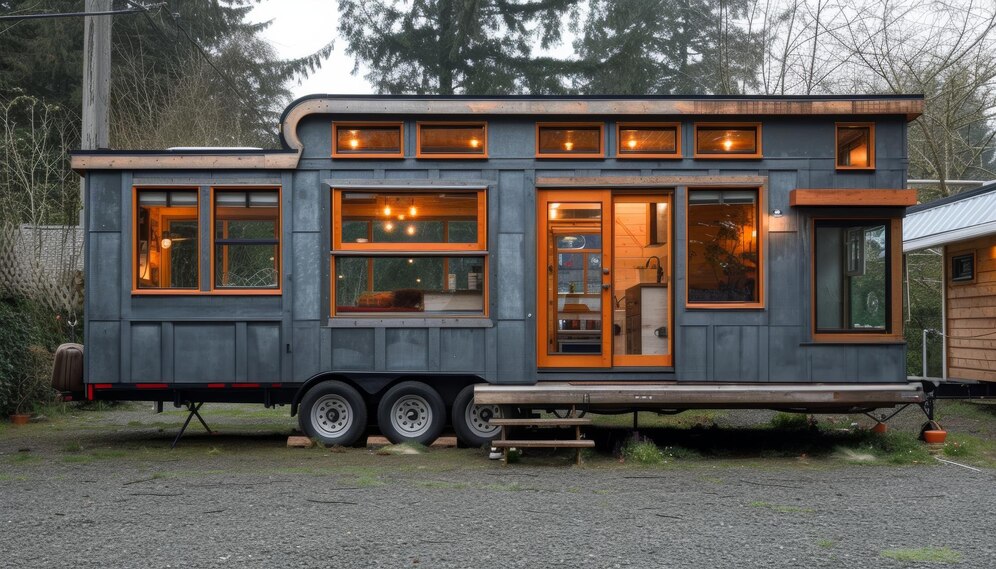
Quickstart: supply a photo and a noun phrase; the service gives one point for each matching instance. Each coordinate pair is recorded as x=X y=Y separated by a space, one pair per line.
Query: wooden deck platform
x=815 y=397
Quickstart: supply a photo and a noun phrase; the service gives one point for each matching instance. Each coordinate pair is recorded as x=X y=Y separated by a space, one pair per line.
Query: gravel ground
x=103 y=492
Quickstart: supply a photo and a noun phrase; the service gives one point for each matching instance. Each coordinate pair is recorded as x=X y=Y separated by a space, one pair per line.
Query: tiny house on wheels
x=603 y=253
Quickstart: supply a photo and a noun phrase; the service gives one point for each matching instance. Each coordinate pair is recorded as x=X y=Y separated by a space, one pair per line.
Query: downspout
x=944 y=313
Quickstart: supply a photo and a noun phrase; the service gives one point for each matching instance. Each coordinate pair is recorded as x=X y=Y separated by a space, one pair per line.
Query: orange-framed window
x=368 y=140
x=409 y=253
x=408 y=221
x=166 y=230
x=857 y=288
x=245 y=240
x=724 y=248
x=452 y=140
x=648 y=140
x=855 y=143
x=570 y=140
x=728 y=140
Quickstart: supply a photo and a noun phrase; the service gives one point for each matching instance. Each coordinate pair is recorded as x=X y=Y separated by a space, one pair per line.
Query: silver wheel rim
x=411 y=416
x=477 y=419
x=332 y=416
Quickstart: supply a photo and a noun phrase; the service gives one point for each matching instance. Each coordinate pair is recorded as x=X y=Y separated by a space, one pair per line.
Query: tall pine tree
x=455 y=46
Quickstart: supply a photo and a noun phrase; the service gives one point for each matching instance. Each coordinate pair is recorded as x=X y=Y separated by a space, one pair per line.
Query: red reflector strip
x=151 y=385
x=101 y=385
x=89 y=392
x=216 y=385
x=246 y=385
x=276 y=385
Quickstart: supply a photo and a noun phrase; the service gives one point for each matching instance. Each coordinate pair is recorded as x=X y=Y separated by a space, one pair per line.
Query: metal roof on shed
x=960 y=217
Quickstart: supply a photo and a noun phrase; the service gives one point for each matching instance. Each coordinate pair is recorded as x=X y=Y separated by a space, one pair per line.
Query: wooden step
x=570 y=443
x=569 y=422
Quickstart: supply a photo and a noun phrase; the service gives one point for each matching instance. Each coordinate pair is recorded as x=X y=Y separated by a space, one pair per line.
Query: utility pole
x=96 y=81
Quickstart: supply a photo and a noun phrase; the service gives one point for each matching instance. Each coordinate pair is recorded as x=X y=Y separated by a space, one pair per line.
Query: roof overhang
x=949 y=237
x=82 y=161
x=852 y=198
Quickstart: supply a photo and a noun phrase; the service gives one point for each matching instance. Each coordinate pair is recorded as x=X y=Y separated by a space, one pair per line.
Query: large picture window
x=724 y=248
x=409 y=252
x=246 y=240
x=166 y=244
x=852 y=275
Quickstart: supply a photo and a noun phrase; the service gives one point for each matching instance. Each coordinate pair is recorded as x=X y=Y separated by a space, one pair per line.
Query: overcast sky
x=301 y=27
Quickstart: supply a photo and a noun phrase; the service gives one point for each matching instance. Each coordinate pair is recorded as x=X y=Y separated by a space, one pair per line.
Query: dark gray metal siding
x=290 y=338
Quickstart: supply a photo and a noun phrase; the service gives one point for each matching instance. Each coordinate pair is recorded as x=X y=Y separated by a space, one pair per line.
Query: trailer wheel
x=471 y=421
x=334 y=413
x=411 y=412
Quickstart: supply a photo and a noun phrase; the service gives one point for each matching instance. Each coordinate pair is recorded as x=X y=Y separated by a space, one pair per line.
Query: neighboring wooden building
x=963 y=226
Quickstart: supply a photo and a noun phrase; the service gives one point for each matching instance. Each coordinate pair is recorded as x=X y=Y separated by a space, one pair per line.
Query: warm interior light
x=568 y=146
x=401 y=217
x=474 y=143
x=727 y=144
x=410 y=230
x=418 y=280
x=340 y=276
x=166 y=242
x=388 y=227
x=412 y=211
x=411 y=261
x=753 y=234
x=387 y=210
x=631 y=143
x=353 y=143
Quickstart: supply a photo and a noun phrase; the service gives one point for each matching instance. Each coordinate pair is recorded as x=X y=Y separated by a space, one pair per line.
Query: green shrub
x=29 y=335
x=790 y=421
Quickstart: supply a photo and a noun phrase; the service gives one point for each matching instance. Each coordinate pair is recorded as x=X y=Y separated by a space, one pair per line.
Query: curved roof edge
x=910 y=106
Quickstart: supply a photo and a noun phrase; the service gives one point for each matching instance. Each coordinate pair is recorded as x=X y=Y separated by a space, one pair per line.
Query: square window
x=855 y=146
x=963 y=268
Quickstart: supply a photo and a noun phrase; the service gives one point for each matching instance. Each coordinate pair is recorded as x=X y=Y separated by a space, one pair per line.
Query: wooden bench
x=505 y=443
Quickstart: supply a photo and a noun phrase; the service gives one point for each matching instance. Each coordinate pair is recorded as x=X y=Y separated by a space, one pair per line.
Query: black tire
x=333 y=413
x=469 y=420
x=411 y=412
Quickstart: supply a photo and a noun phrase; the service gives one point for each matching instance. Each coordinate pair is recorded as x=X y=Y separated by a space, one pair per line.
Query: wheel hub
x=331 y=416
x=411 y=416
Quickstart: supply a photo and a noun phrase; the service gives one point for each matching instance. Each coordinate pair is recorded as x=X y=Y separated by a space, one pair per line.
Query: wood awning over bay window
x=852 y=198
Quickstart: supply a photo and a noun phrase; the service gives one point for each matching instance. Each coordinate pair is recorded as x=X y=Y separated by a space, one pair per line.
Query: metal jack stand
x=194 y=412
x=928 y=409
x=887 y=417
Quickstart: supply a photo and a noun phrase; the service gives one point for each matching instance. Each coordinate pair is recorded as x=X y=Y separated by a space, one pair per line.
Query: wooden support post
x=96 y=82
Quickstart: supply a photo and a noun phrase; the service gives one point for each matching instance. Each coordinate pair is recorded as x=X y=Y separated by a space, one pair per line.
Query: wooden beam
x=852 y=197
x=648 y=181
x=81 y=162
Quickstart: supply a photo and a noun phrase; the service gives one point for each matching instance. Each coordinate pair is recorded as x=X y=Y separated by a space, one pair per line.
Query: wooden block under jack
x=299 y=442
x=441 y=442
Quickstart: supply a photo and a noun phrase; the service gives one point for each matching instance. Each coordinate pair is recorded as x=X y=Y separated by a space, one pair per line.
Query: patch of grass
x=443 y=485
x=509 y=487
x=23 y=457
x=898 y=448
x=79 y=459
x=923 y=555
x=643 y=452
x=979 y=410
x=680 y=453
x=958 y=448
x=790 y=421
x=781 y=509
x=74 y=446
x=825 y=543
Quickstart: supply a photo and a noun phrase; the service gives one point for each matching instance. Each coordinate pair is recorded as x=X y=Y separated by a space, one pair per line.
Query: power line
x=66 y=15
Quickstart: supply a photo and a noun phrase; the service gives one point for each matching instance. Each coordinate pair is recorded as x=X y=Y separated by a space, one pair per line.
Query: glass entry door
x=604 y=267
x=574 y=278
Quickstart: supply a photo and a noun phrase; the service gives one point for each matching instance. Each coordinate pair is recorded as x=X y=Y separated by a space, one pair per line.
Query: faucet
x=660 y=269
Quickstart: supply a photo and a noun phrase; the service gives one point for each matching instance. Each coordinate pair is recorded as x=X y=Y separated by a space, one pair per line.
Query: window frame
x=336 y=125
x=371 y=250
x=894 y=287
x=422 y=155
x=759 y=154
x=571 y=156
x=135 y=290
x=676 y=155
x=871 y=145
x=762 y=238
x=482 y=226
x=958 y=254
x=214 y=289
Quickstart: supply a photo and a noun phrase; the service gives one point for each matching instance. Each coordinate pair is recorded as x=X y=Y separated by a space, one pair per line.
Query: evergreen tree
x=660 y=47
x=455 y=46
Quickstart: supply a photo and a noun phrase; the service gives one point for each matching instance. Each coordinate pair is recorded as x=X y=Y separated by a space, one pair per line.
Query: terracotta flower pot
x=20 y=418
x=880 y=428
x=934 y=437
